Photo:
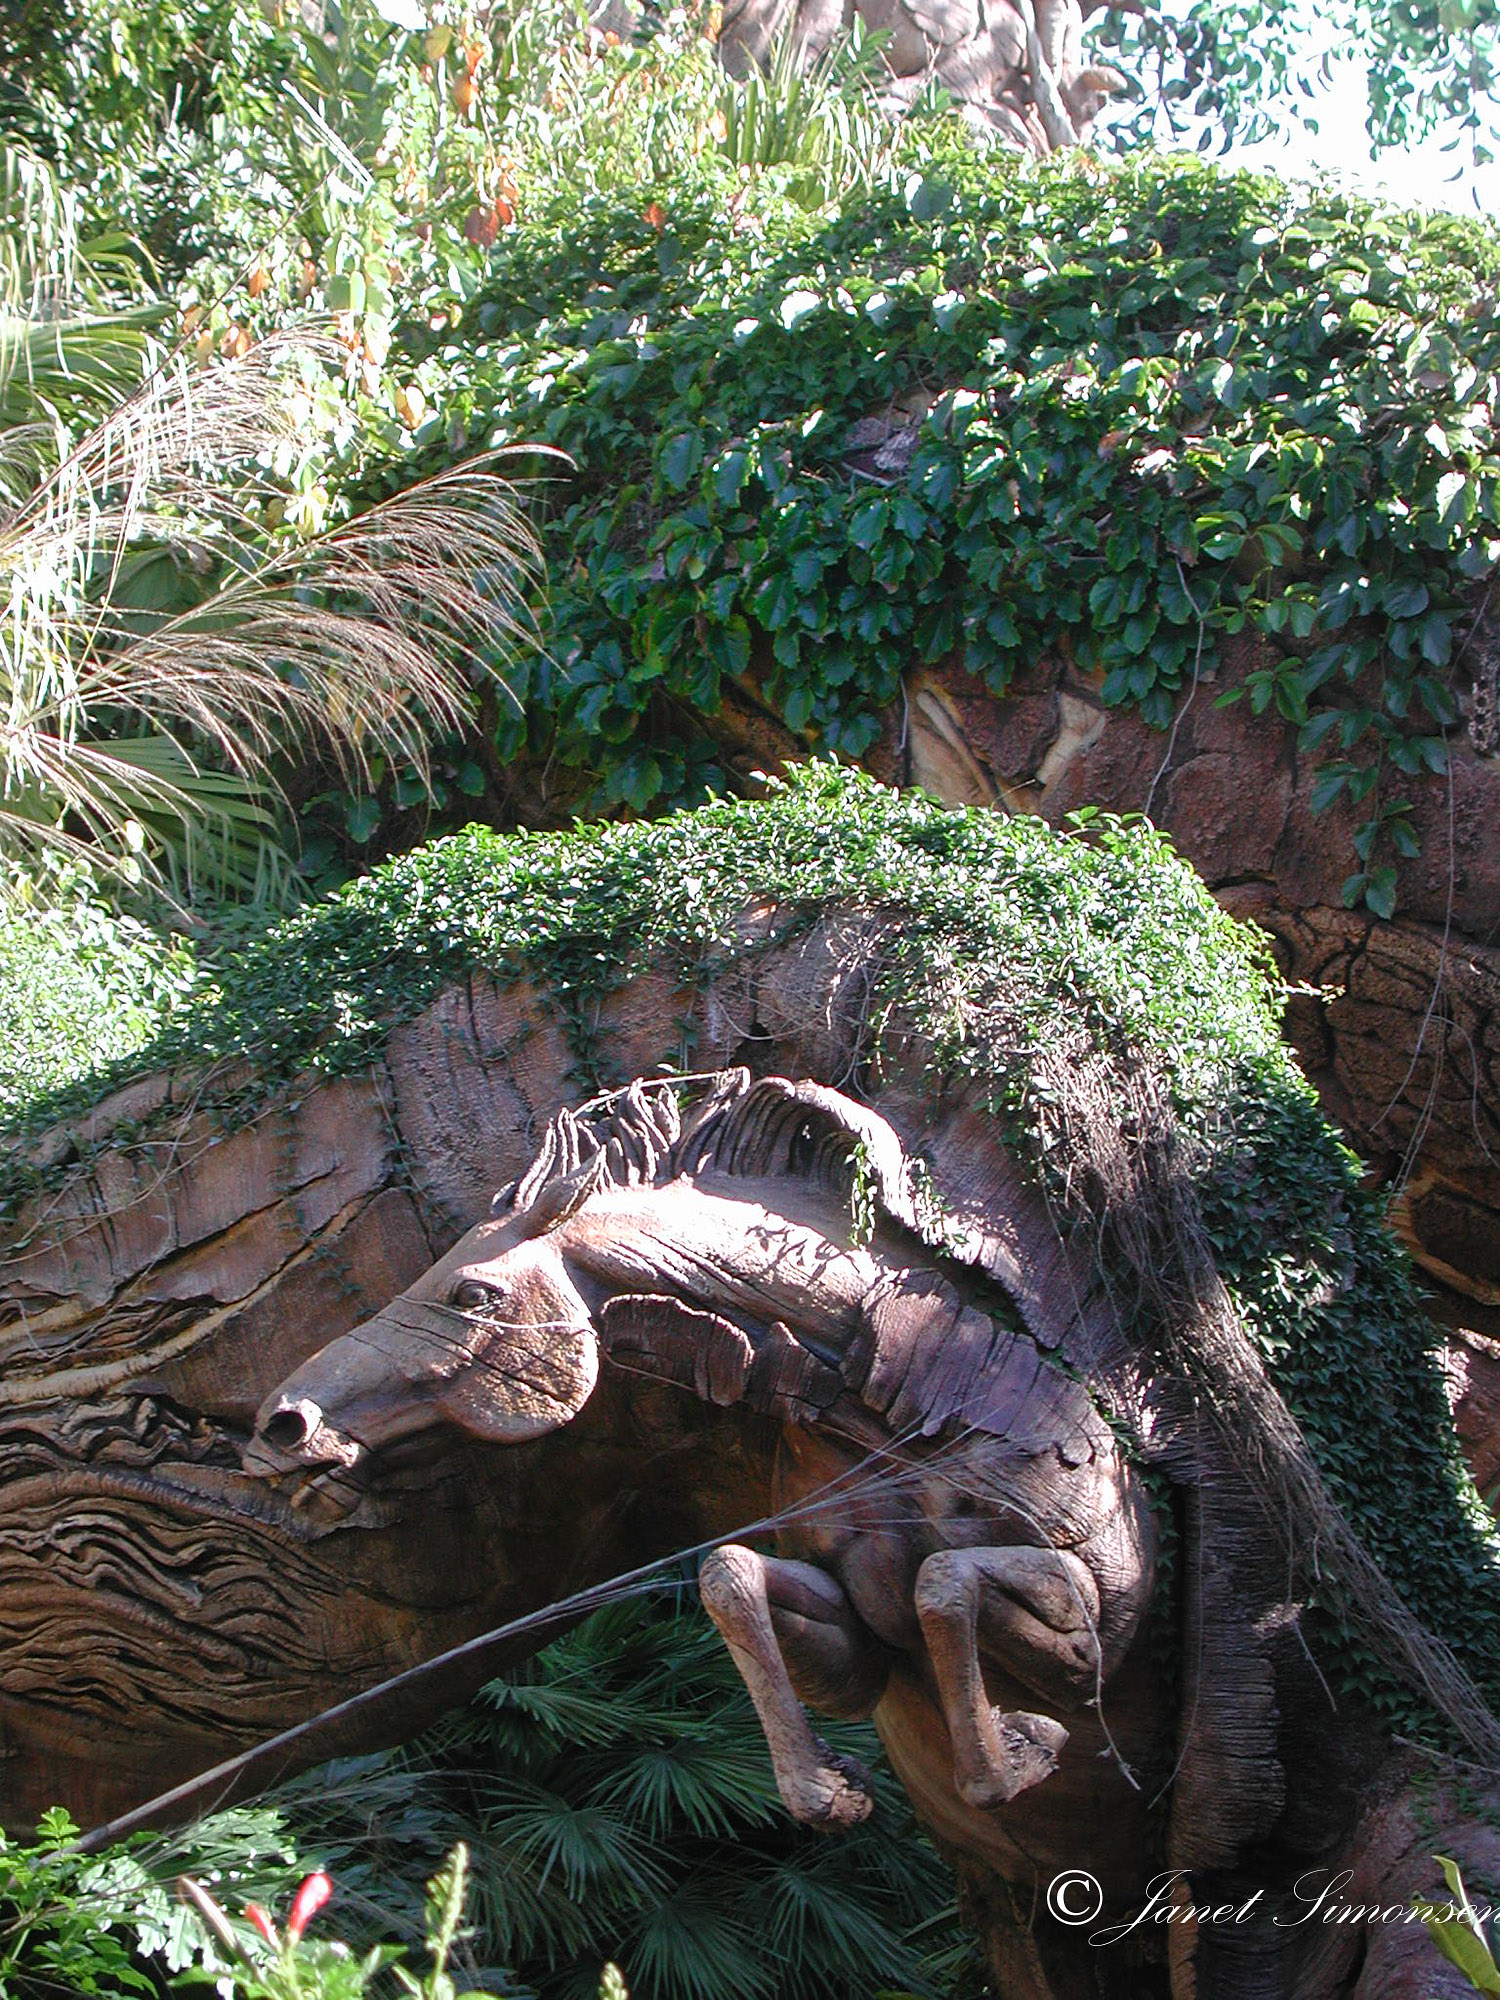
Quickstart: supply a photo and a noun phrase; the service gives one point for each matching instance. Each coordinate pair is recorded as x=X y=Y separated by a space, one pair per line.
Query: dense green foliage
x=843 y=399
x=837 y=399
x=111 y=1925
x=1113 y=932
x=83 y=985
x=1162 y=406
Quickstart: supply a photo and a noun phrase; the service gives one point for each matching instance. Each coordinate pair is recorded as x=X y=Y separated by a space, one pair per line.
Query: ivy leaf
x=1436 y=638
x=1380 y=891
x=345 y=292
x=729 y=645
x=730 y=475
x=1405 y=598
x=1326 y=787
x=1455 y=500
x=869 y=523
x=775 y=602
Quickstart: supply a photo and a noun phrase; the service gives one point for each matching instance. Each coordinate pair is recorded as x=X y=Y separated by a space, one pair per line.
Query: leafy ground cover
x=83 y=985
x=1129 y=410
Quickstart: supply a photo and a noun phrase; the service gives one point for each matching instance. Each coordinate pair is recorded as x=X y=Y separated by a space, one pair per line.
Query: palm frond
x=645 y=1831
x=548 y=1831
x=564 y=1712
x=716 y=1780
x=66 y=343
x=693 y=1945
x=525 y=1917
x=808 y=1913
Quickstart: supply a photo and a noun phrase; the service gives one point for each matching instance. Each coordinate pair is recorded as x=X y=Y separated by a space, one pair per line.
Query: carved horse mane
x=767 y=1130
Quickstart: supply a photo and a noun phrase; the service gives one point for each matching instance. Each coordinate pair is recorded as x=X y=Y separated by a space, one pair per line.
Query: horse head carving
x=955 y=1517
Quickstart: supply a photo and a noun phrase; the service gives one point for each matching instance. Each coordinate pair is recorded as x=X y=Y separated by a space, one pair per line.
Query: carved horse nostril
x=289 y=1430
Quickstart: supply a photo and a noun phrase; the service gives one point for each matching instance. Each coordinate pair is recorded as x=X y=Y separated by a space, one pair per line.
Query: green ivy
x=1104 y=925
x=1153 y=405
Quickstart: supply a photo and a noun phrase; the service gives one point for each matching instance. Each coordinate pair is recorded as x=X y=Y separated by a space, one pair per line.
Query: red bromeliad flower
x=306 y=1904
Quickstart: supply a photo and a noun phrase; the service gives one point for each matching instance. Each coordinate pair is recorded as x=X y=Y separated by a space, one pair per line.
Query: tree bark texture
x=159 y=1609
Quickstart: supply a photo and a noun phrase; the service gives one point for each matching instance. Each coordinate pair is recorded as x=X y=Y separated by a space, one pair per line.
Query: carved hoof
x=1029 y=1747
x=834 y=1796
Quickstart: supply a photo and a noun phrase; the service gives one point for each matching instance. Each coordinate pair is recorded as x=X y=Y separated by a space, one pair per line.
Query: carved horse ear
x=562 y=1198
x=569 y=1168
x=805 y=1130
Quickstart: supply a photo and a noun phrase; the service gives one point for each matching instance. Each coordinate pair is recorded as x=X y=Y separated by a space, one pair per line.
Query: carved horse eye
x=471 y=1296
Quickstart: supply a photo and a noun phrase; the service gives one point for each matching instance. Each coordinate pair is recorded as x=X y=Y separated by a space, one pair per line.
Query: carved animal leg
x=1034 y=1611
x=812 y=1615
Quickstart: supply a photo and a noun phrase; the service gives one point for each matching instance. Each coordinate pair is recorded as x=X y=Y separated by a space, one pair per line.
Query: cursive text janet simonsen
x=1319 y=1898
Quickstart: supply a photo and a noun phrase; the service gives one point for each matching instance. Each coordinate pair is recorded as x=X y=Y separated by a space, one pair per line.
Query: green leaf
x=775 y=602
x=1455 y=499
x=1316 y=728
x=1405 y=598
x=730 y=475
x=797 y=307
x=361 y=819
x=1462 y=1948
x=729 y=644
x=681 y=457
x=868 y=523
x=345 y=292
x=1436 y=639
x=1380 y=891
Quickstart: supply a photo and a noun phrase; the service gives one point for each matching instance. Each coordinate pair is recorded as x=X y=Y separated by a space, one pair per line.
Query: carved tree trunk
x=158 y=1609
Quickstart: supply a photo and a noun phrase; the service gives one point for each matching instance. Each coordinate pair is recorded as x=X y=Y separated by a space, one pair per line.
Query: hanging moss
x=1103 y=926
